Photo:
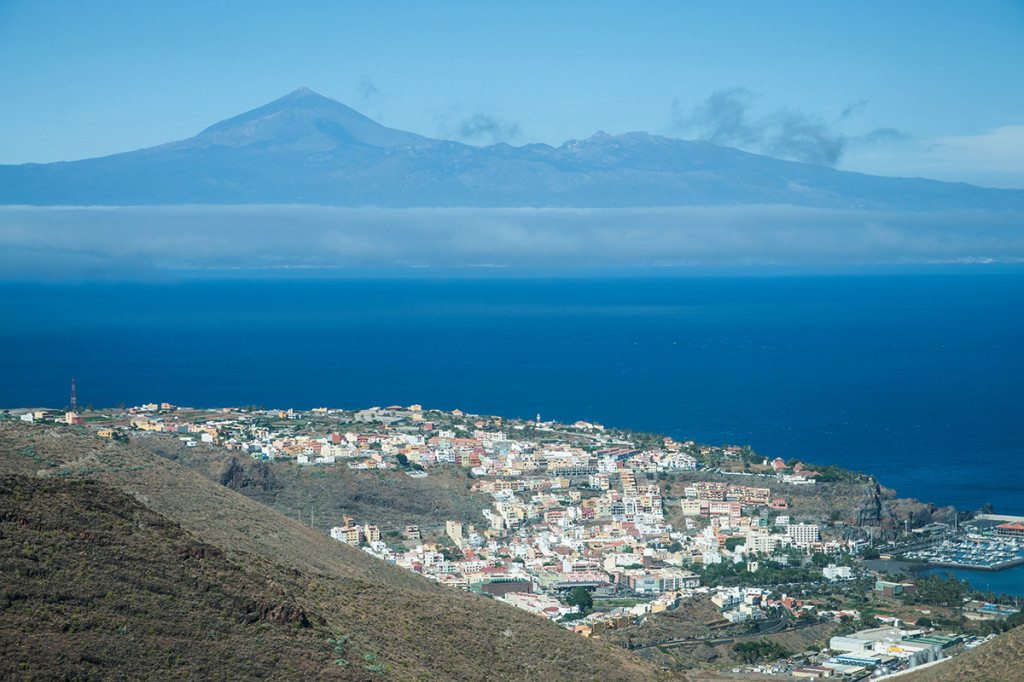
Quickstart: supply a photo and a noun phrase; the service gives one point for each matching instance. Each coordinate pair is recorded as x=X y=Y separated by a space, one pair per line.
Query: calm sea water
x=1007 y=581
x=918 y=379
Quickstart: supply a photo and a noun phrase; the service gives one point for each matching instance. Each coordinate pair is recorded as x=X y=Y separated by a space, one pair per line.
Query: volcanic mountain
x=307 y=149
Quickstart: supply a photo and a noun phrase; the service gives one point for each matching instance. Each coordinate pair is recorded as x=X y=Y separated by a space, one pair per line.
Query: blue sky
x=912 y=88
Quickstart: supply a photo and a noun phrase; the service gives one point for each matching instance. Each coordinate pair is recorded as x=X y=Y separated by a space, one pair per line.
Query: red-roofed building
x=1012 y=530
x=791 y=603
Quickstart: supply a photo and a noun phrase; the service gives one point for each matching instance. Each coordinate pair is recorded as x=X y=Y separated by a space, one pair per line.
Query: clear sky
x=909 y=88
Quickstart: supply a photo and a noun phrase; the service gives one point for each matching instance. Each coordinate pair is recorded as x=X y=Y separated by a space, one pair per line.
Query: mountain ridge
x=305 y=148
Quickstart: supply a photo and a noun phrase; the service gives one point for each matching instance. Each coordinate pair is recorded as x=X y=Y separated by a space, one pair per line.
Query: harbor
x=991 y=548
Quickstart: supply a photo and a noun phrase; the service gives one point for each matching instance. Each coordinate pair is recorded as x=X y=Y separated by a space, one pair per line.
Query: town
x=612 y=533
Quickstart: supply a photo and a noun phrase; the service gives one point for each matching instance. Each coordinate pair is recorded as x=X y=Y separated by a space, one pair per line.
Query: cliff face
x=259 y=476
x=880 y=508
x=874 y=510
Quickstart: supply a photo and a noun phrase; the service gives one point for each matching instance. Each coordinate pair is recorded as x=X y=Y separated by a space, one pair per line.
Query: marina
x=973 y=552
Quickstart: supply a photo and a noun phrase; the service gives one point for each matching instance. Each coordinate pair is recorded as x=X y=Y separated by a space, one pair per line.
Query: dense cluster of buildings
x=561 y=517
x=571 y=506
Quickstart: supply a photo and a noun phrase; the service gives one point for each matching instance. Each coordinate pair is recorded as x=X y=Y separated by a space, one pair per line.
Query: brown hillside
x=95 y=582
x=405 y=624
x=390 y=500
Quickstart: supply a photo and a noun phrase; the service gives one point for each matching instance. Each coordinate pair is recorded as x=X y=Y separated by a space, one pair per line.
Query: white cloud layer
x=90 y=242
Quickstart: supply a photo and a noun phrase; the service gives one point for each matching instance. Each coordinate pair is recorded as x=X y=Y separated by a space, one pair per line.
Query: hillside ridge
x=408 y=625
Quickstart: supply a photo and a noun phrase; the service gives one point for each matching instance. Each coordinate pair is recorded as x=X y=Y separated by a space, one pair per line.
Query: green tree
x=933 y=589
x=580 y=596
x=751 y=652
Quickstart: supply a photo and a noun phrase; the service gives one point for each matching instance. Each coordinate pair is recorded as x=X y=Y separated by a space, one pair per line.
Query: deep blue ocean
x=918 y=379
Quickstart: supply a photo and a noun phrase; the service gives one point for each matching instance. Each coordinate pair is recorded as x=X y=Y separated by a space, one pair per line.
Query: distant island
x=669 y=549
x=305 y=148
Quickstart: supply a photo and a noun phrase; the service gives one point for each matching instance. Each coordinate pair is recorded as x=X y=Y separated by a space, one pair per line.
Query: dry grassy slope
x=1000 y=660
x=692 y=620
x=418 y=629
x=96 y=585
x=390 y=500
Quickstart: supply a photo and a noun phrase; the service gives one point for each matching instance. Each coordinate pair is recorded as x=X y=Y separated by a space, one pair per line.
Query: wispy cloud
x=370 y=96
x=853 y=108
x=883 y=134
x=90 y=243
x=367 y=89
x=486 y=127
x=723 y=118
x=728 y=117
x=795 y=135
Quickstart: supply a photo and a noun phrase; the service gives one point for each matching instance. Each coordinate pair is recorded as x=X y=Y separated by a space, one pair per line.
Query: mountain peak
x=304 y=120
x=304 y=94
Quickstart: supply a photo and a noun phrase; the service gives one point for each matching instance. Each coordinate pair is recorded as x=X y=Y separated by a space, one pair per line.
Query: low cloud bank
x=96 y=242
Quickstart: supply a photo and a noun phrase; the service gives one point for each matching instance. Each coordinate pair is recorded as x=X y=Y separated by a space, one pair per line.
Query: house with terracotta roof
x=1011 y=530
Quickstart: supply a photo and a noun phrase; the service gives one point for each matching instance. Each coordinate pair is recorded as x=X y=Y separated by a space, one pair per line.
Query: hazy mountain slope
x=305 y=148
x=410 y=625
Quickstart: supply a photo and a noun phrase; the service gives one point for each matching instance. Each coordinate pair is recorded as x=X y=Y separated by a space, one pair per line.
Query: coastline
x=974 y=567
x=717 y=359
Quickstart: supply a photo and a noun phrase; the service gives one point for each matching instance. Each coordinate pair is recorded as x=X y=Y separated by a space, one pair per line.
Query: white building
x=864 y=640
x=803 y=534
x=834 y=573
x=761 y=542
x=347 y=534
x=542 y=605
